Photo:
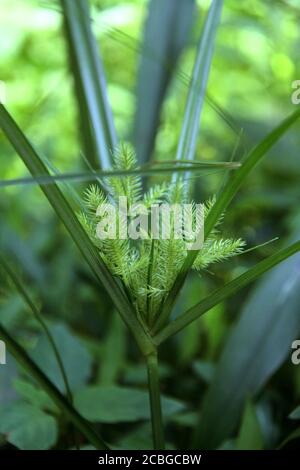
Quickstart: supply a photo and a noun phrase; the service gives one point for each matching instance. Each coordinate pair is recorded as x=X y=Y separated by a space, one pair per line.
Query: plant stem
x=155 y=402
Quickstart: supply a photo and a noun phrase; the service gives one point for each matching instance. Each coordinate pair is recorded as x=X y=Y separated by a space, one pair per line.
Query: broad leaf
x=27 y=427
x=119 y=404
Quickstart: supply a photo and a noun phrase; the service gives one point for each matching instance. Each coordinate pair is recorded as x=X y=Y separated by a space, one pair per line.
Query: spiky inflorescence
x=148 y=268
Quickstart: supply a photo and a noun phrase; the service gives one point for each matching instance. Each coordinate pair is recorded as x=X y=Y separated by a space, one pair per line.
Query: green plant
x=145 y=296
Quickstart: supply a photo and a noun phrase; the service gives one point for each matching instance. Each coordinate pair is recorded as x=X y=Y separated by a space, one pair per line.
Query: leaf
x=295 y=414
x=77 y=361
x=114 y=352
x=27 y=427
x=258 y=345
x=250 y=434
x=224 y=292
x=165 y=35
x=228 y=192
x=62 y=208
x=36 y=373
x=119 y=404
x=35 y=396
x=89 y=82
x=190 y=128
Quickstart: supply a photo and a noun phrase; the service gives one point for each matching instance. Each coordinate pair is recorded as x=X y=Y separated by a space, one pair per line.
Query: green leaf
x=119 y=404
x=258 y=345
x=80 y=237
x=250 y=434
x=36 y=373
x=190 y=128
x=76 y=360
x=27 y=427
x=295 y=414
x=224 y=292
x=293 y=435
x=35 y=396
x=165 y=35
x=228 y=192
x=114 y=352
x=89 y=82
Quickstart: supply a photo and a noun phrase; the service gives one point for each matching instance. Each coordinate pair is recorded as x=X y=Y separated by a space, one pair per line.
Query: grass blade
x=166 y=32
x=89 y=81
x=224 y=292
x=35 y=372
x=188 y=138
x=233 y=185
x=62 y=208
x=88 y=176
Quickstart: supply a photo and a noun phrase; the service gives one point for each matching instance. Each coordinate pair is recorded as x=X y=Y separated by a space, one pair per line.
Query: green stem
x=155 y=402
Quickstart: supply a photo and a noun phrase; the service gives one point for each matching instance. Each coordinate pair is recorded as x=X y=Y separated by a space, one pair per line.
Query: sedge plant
x=143 y=279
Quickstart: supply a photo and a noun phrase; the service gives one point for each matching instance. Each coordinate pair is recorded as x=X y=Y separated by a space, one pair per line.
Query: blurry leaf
x=294 y=435
x=190 y=128
x=258 y=345
x=113 y=353
x=187 y=419
x=7 y=376
x=76 y=359
x=89 y=83
x=250 y=434
x=35 y=396
x=119 y=404
x=27 y=427
x=205 y=370
x=166 y=32
x=136 y=374
x=36 y=373
x=139 y=438
x=295 y=414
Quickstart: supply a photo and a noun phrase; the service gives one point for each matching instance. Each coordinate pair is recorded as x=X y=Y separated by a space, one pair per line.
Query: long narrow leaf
x=224 y=292
x=233 y=185
x=89 y=78
x=166 y=32
x=80 y=237
x=35 y=372
x=188 y=137
x=87 y=176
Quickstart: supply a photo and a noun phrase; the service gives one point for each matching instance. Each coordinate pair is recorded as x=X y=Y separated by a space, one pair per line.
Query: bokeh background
x=229 y=373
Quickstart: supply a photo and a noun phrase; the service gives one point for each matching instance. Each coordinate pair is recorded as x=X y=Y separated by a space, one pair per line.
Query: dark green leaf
x=165 y=34
x=119 y=404
x=89 y=82
x=27 y=427
x=258 y=345
x=77 y=361
x=250 y=434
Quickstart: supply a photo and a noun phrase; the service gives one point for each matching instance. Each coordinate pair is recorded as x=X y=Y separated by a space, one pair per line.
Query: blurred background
x=228 y=379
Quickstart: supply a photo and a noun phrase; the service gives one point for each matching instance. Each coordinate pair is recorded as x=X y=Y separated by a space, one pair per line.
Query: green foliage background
x=233 y=365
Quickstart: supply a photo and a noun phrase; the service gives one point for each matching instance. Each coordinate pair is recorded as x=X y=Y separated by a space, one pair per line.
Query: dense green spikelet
x=148 y=267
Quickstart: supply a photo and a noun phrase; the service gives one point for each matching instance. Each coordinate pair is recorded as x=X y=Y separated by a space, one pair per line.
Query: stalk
x=155 y=402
